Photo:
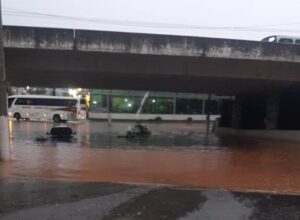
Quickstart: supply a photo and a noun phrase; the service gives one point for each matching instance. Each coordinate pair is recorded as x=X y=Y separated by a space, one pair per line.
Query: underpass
x=259 y=75
x=174 y=174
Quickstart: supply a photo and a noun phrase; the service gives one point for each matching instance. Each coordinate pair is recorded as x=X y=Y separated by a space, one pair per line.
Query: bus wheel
x=56 y=118
x=17 y=116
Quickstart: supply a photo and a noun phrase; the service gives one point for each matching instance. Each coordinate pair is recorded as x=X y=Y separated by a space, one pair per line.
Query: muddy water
x=176 y=154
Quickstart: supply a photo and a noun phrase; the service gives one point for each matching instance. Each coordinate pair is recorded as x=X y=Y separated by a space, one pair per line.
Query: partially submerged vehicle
x=137 y=131
x=62 y=133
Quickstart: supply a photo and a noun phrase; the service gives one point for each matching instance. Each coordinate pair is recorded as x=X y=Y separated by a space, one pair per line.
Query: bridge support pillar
x=4 y=136
x=237 y=112
x=272 y=111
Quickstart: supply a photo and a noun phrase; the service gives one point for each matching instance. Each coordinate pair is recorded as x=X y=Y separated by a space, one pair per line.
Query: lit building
x=123 y=105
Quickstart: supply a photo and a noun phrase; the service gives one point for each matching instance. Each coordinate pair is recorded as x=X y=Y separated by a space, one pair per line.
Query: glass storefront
x=156 y=103
x=98 y=103
x=189 y=106
x=124 y=104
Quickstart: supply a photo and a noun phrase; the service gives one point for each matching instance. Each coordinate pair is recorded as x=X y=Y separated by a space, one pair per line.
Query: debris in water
x=41 y=139
x=137 y=131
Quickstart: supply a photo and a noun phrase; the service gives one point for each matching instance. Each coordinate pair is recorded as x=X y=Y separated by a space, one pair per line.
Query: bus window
x=28 y=101
x=285 y=40
x=24 y=101
x=43 y=102
x=297 y=41
x=10 y=101
x=20 y=101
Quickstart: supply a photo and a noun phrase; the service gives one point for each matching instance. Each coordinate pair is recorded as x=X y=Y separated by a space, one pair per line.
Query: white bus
x=41 y=107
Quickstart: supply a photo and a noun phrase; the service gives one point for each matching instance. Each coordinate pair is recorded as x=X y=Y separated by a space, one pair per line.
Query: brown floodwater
x=176 y=154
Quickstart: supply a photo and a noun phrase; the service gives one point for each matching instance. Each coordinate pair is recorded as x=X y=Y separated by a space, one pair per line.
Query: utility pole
x=208 y=115
x=108 y=107
x=174 y=103
x=4 y=135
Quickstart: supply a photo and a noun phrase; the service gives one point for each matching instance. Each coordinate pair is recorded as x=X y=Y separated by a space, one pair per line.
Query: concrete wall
x=165 y=117
x=150 y=44
x=128 y=61
x=280 y=135
x=38 y=38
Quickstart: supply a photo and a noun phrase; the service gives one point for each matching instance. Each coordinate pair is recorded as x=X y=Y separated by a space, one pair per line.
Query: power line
x=258 y=28
x=183 y=25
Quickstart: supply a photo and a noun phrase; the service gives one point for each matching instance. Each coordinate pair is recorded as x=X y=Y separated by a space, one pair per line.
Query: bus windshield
x=10 y=101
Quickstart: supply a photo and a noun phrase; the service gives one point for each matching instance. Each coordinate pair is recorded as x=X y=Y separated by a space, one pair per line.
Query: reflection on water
x=103 y=136
x=176 y=154
x=163 y=140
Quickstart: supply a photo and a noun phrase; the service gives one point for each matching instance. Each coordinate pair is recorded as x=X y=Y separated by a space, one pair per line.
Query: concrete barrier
x=286 y=135
x=144 y=117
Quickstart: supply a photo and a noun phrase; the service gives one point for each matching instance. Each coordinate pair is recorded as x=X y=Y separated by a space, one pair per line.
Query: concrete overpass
x=264 y=77
x=97 y=59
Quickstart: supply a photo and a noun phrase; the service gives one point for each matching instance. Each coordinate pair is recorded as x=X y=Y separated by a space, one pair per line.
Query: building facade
x=123 y=105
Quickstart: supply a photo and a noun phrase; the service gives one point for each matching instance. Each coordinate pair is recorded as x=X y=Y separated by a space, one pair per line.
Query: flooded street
x=175 y=154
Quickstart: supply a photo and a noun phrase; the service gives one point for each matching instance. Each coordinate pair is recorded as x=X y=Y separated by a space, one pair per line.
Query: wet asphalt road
x=64 y=179
x=35 y=199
